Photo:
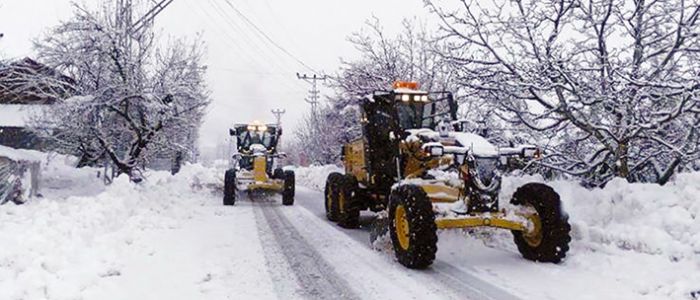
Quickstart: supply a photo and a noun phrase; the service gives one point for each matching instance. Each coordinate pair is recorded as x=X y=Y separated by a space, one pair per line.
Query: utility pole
x=314 y=94
x=313 y=99
x=150 y=15
x=278 y=115
x=125 y=18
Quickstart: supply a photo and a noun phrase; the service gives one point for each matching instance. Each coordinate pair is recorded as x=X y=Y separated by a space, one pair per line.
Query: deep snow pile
x=648 y=235
x=87 y=241
x=314 y=177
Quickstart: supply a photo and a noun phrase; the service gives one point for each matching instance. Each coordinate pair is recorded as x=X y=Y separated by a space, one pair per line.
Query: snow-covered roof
x=16 y=115
x=21 y=154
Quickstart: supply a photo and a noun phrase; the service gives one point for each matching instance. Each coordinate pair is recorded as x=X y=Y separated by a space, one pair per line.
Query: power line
x=241 y=30
x=232 y=42
x=150 y=15
x=267 y=37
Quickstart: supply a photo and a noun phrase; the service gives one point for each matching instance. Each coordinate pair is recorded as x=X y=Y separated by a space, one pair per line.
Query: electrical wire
x=241 y=31
x=267 y=37
x=243 y=54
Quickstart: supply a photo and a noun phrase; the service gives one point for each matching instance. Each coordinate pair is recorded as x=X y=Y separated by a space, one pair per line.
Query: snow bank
x=646 y=218
x=21 y=154
x=314 y=177
x=646 y=234
x=98 y=239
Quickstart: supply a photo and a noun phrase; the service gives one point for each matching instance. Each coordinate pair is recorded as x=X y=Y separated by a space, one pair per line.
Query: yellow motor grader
x=415 y=166
x=254 y=166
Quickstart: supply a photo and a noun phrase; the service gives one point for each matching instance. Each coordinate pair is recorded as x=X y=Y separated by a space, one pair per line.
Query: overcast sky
x=247 y=76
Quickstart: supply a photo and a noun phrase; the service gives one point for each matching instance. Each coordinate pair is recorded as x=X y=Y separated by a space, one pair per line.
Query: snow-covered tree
x=411 y=55
x=133 y=99
x=612 y=84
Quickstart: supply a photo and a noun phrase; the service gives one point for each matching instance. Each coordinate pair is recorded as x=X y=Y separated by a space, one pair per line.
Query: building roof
x=27 y=81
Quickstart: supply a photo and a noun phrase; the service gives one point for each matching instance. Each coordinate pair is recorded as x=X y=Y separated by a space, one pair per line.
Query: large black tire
x=230 y=187
x=289 y=188
x=551 y=242
x=411 y=209
x=348 y=202
x=331 y=196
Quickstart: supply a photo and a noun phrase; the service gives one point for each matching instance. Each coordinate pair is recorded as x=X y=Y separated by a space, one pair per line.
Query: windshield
x=248 y=138
x=413 y=115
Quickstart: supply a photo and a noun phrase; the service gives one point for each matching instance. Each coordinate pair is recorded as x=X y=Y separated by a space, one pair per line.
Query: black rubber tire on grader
x=331 y=196
x=230 y=187
x=411 y=215
x=348 y=206
x=289 y=188
x=551 y=243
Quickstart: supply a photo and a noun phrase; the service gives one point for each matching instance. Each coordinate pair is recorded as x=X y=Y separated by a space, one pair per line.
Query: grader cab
x=417 y=169
x=254 y=167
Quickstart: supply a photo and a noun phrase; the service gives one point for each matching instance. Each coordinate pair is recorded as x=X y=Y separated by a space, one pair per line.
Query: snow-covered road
x=171 y=238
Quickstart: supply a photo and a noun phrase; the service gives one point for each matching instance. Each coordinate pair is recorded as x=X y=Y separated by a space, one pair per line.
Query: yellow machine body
x=439 y=191
x=355 y=159
x=258 y=178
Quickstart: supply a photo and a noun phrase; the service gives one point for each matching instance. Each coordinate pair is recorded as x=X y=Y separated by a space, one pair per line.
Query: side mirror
x=237 y=156
x=282 y=155
x=232 y=132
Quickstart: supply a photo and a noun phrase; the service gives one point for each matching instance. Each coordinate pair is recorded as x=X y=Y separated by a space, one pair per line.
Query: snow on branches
x=612 y=84
x=132 y=100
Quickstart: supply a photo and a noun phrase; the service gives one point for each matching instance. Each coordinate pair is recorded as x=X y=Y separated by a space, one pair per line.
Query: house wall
x=18 y=138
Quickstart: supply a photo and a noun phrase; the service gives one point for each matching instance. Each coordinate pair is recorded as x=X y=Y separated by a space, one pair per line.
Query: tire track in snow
x=315 y=278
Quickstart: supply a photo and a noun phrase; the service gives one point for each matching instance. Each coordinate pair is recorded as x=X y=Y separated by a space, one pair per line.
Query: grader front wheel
x=548 y=238
x=230 y=187
x=289 y=188
x=412 y=227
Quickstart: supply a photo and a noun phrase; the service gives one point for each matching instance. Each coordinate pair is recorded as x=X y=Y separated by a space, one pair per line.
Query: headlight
x=424 y=98
x=405 y=98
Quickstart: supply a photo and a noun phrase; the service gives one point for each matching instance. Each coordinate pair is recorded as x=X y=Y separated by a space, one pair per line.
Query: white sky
x=247 y=76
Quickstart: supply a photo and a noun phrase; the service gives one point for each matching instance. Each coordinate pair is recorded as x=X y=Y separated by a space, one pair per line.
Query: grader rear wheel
x=412 y=227
x=548 y=241
x=349 y=208
x=331 y=196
